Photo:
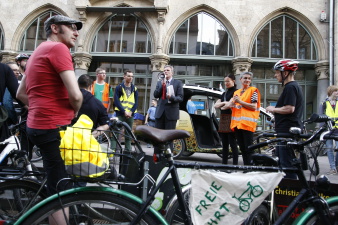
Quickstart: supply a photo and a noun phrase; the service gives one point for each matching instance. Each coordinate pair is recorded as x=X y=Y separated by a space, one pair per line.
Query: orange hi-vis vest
x=105 y=94
x=243 y=118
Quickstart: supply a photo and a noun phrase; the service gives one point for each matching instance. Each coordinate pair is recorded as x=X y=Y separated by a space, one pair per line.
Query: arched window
x=202 y=34
x=284 y=37
x=35 y=34
x=122 y=33
x=2 y=39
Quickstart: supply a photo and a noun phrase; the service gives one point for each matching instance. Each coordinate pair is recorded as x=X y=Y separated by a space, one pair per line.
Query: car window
x=205 y=105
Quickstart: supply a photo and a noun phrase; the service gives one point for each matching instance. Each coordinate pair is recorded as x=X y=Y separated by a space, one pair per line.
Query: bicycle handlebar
x=265 y=143
x=13 y=128
x=286 y=135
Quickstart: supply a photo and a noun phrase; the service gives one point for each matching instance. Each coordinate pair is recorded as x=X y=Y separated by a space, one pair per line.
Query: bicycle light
x=295 y=130
x=323 y=182
x=156 y=158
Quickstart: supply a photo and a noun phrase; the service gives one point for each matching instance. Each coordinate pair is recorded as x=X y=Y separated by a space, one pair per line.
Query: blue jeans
x=330 y=154
x=127 y=140
x=49 y=141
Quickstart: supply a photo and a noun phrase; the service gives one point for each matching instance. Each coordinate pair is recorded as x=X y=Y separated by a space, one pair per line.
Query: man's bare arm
x=74 y=93
x=21 y=92
x=287 y=109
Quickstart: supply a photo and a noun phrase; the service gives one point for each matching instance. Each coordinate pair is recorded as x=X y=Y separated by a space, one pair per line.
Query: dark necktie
x=163 y=90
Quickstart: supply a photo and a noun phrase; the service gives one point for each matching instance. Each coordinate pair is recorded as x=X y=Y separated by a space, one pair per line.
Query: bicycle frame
x=13 y=146
x=12 y=143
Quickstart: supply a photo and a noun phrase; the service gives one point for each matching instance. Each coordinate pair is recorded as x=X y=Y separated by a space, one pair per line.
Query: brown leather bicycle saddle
x=159 y=135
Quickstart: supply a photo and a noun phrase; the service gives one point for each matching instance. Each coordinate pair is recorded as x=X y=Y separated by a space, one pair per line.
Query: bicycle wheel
x=314 y=219
x=17 y=196
x=174 y=213
x=312 y=154
x=91 y=207
x=260 y=216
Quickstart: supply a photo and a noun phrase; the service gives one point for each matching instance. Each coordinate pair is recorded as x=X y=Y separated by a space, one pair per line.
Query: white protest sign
x=228 y=198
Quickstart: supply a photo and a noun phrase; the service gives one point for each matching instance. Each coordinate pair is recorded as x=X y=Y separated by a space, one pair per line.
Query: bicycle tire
x=17 y=195
x=260 y=216
x=309 y=215
x=313 y=164
x=174 y=213
x=108 y=206
x=313 y=220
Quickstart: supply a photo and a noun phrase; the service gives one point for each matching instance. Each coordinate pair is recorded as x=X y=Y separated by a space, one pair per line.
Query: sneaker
x=331 y=172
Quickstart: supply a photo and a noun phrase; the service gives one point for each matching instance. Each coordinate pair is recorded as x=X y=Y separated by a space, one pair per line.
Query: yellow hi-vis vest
x=81 y=152
x=244 y=118
x=333 y=113
x=127 y=102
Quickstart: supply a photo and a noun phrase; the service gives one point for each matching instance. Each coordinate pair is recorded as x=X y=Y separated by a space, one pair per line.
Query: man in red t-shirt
x=50 y=89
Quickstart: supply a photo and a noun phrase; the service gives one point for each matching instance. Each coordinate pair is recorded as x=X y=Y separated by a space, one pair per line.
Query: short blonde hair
x=331 y=89
x=98 y=70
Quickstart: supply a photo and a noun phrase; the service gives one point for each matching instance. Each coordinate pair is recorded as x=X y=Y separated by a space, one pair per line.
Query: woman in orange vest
x=245 y=113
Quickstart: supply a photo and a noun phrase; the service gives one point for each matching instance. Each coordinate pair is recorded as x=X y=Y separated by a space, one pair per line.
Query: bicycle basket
x=82 y=154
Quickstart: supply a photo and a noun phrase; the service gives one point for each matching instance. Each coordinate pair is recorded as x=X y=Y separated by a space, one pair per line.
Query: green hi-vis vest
x=333 y=113
x=127 y=102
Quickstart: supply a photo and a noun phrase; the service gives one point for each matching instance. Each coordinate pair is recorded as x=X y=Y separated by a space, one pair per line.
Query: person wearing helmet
x=289 y=108
x=21 y=60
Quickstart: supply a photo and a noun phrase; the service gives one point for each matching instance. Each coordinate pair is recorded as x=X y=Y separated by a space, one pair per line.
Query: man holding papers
x=170 y=93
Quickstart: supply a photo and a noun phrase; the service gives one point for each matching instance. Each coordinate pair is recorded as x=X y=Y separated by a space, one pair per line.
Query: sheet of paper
x=170 y=90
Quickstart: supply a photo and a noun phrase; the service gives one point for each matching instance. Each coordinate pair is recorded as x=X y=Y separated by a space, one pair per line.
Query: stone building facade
x=203 y=40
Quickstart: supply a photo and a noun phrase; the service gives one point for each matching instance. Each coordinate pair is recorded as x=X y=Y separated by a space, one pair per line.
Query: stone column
x=158 y=61
x=160 y=20
x=7 y=56
x=240 y=65
x=82 y=62
x=82 y=59
x=82 y=32
x=322 y=71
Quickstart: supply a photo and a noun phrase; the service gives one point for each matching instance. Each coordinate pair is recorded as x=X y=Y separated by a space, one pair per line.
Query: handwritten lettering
x=209 y=198
x=218 y=215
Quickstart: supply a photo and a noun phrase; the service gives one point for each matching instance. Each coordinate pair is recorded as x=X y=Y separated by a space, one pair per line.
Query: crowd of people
x=49 y=88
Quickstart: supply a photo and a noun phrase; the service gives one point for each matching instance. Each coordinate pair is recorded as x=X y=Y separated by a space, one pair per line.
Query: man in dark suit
x=167 y=111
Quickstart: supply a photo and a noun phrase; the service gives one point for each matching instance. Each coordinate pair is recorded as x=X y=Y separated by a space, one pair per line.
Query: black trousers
x=165 y=124
x=244 y=140
x=49 y=141
x=229 y=139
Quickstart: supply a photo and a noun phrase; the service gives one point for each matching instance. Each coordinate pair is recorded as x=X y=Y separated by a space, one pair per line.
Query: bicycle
x=312 y=150
x=19 y=193
x=18 y=165
x=22 y=183
x=116 y=206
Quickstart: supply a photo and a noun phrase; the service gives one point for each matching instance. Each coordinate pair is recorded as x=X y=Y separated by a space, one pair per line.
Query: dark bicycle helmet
x=21 y=57
x=286 y=65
